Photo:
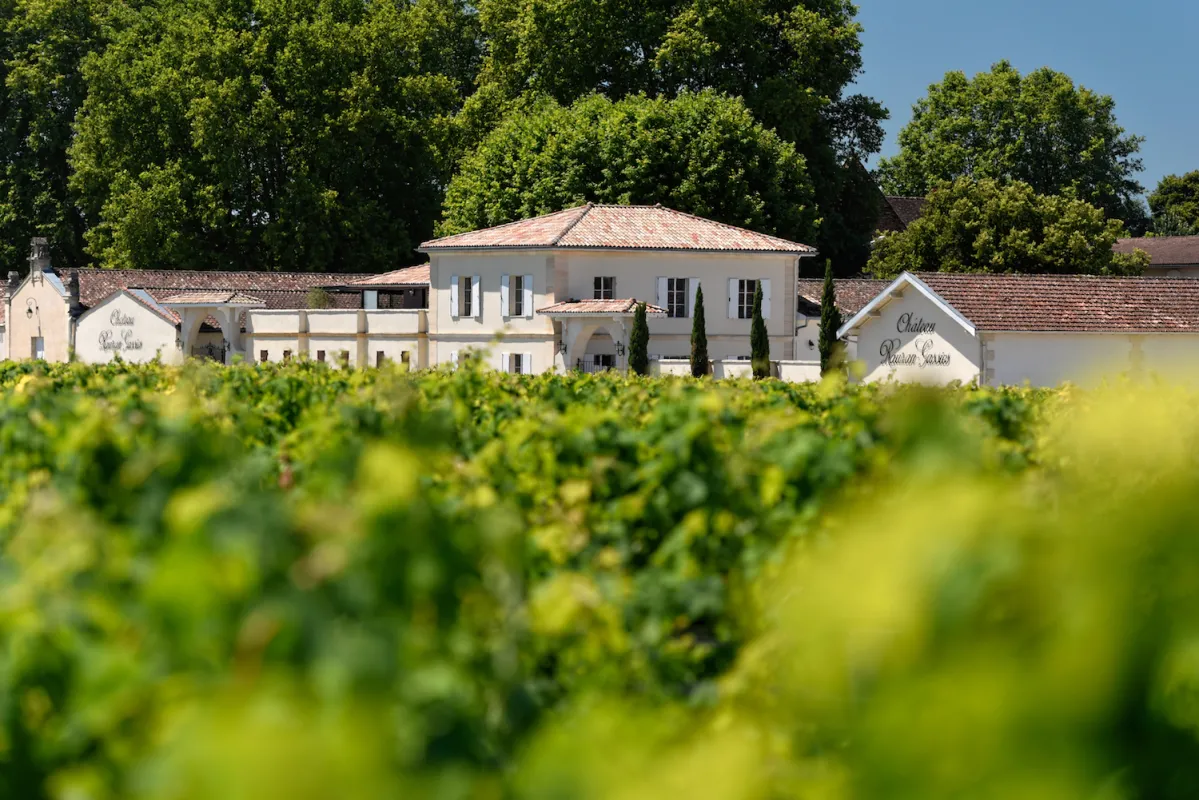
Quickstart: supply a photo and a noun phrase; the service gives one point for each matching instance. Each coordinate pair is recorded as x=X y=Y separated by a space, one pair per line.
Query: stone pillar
x=39 y=255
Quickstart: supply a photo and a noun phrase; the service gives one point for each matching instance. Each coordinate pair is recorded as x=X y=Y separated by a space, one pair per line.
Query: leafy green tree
x=264 y=135
x=699 y=337
x=1177 y=198
x=790 y=60
x=1168 y=223
x=830 y=323
x=639 y=342
x=700 y=153
x=43 y=44
x=986 y=226
x=1039 y=129
x=759 y=341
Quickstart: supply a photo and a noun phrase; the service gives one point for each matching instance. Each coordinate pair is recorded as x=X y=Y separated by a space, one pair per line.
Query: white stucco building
x=1042 y=330
x=563 y=288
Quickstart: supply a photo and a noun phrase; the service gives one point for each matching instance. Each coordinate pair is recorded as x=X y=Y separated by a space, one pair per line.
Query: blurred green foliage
x=298 y=582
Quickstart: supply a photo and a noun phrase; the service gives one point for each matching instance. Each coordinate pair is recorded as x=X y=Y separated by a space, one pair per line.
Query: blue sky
x=1144 y=53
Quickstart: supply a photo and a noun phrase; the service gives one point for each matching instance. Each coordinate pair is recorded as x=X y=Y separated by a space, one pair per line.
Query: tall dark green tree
x=303 y=135
x=1039 y=129
x=639 y=342
x=43 y=44
x=699 y=337
x=759 y=341
x=700 y=153
x=791 y=60
x=830 y=323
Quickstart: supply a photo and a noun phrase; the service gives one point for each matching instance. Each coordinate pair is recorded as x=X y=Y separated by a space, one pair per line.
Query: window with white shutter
x=765 y=298
x=505 y=293
x=734 y=284
x=526 y=364
x=476 y=303
x=455 y=295
x=516 y=297
x=676 y=297
x=528 y=296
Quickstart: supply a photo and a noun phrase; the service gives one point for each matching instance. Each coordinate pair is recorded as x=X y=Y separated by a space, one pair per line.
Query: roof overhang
x=559 y=249
x=894 y=291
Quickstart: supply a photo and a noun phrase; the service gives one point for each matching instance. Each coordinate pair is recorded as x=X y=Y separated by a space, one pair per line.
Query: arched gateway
x=576 y=323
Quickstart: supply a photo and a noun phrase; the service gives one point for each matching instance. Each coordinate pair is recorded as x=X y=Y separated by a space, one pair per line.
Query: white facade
x=909 y=334
x=473 y=303
x=128 y=324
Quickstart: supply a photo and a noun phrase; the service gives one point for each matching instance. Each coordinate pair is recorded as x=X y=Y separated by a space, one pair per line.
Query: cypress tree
x=699 y=337
x=830 y=322
x=639 y=343
x=759 y=342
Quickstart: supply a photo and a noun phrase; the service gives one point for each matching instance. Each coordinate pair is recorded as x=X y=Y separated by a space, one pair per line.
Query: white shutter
x=661 y=293
x=454 y=289
x=475 y=305
x=765 y=298
x=505 y=306
x=505 y=361
x=528 y=299
x=692 y=288
x=370 y=299
x=526 y=364
x=454 y=358
x=733 y=298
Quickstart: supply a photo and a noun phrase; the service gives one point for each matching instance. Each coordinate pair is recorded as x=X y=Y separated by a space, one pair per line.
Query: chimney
x=39 y=254
x=73 y=291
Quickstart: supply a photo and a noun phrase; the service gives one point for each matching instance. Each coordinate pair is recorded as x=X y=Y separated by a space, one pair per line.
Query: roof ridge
x=587 y=208
x=503 y=225
x=726 y=225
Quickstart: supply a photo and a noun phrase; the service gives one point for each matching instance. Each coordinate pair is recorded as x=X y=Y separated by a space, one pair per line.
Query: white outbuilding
x=1042 y=330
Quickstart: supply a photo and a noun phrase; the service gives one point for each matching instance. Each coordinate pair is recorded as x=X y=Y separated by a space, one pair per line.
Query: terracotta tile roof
x=898 y=213
x=619 y=227
x=600 y=307
x=852 y=294
x=147 y=300
x=96 y=284
x=197 y=297
x=1164 y=251
x=409 y=276
x=1085 y=303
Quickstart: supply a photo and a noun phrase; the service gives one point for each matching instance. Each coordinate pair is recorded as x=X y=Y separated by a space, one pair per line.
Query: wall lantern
x=30 y=308
x=620 y=348
x=562 y=348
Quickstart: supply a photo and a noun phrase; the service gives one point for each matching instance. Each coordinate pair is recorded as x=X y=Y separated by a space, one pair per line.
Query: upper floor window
x=676 y=297
x=605 y=288
x=745 y=298
x=516 y=297
x=464 y=296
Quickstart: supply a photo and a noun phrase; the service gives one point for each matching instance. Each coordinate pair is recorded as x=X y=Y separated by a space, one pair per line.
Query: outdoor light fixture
x=30 y=308
x=620 y=348
x=562 y=348
x=811 y=344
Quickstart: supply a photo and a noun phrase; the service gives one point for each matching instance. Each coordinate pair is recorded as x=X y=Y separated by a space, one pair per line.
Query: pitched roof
x=205 y=297
x=1164 y=251
x=150 y=302
x=1070 y=303
x=96 y=284
x=599 y=307
x=897 y=213
x=852 y=294
x=408 y=276
x=619 y=228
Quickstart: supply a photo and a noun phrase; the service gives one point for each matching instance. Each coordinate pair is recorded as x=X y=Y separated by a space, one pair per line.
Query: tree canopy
x=1175 y=202
x=700 y=153
x=790 y=61
x=986 y=226
x=42 y=46
x=1040 y=129
x=265 y=135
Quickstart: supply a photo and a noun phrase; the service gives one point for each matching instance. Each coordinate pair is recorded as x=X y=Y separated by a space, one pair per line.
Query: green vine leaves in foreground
x=295 y=581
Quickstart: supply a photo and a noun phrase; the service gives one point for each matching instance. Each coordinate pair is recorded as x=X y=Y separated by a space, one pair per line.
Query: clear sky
x=1144 y=53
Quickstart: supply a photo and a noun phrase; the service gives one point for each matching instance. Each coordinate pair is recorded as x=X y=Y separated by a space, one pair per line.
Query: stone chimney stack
x=73 y=291
x=39 y=254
